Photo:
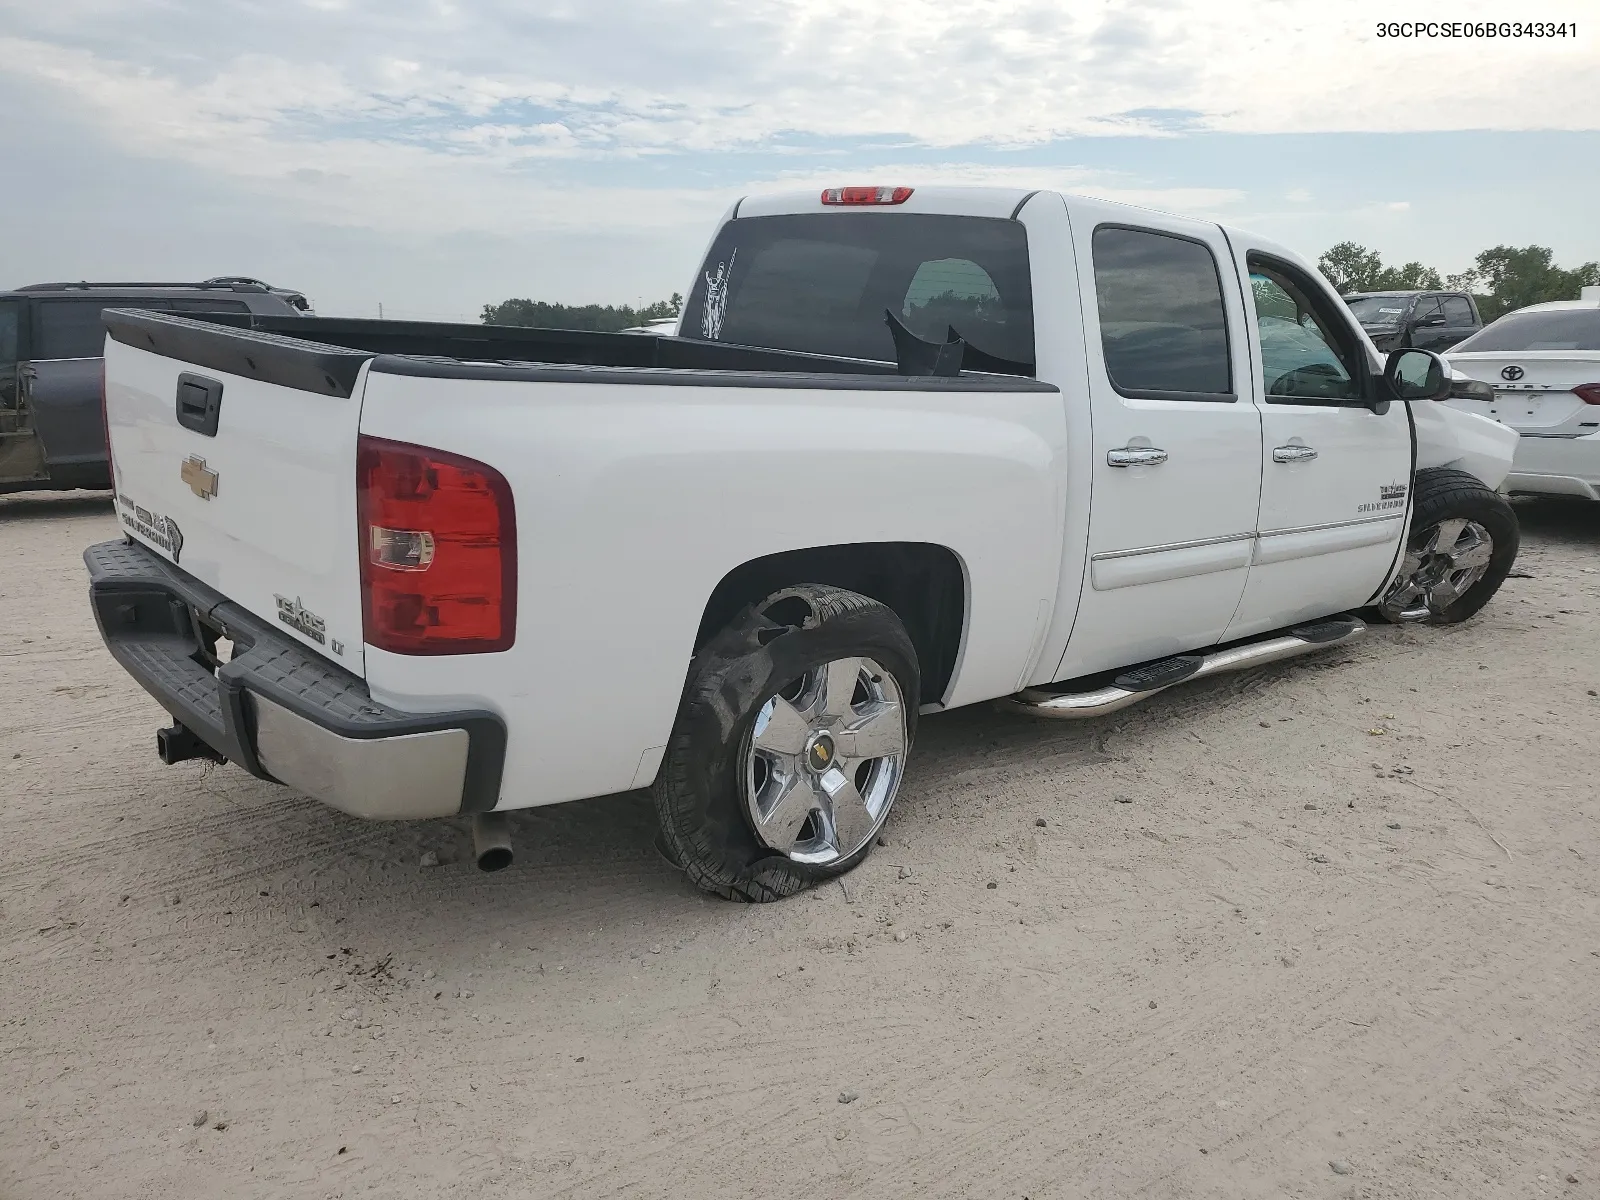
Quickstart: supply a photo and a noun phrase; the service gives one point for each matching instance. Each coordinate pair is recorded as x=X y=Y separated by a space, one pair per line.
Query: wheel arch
x=923 y=583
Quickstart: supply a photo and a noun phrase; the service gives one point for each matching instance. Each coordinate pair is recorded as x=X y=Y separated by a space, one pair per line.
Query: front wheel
x=790 y=744
x=1464 y=539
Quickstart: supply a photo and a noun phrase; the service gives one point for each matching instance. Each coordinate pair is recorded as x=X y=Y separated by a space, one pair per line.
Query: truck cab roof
x=966 y=200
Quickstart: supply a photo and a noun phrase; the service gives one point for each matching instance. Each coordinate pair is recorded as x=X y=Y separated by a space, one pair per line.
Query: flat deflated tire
x=790 y=743
x=1464 y=539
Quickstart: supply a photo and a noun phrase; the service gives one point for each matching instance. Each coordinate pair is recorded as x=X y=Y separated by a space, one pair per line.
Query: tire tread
x=718 y=857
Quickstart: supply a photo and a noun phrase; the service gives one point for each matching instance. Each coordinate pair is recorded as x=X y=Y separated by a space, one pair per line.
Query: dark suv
x=51 y=434
x=1427 y=320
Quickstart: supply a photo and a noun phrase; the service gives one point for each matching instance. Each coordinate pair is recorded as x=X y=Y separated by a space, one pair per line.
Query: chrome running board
x=1141 y=683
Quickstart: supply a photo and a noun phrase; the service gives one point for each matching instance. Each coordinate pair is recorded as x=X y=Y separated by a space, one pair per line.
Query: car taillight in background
x=866 y=195
x=1589 y=393
x=438 y=551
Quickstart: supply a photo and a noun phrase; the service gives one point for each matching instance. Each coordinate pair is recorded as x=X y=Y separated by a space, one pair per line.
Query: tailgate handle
x=199 y=403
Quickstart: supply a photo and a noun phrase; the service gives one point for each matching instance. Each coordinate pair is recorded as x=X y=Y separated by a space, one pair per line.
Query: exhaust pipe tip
x=496 y=858
x=491 y=841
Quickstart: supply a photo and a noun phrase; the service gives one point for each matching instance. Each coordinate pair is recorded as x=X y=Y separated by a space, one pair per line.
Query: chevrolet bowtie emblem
x=201 y=479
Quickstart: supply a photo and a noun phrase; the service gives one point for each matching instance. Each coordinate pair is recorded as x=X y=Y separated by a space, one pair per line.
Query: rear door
x=1176 y=442
x=260 y=504
x=1335 y=474
x=1460 y=322
x=1429 y=327
x=64 y=377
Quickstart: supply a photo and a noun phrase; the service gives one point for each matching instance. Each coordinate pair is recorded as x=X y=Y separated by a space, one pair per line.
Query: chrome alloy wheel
x=1440 y=568
x=823 y=761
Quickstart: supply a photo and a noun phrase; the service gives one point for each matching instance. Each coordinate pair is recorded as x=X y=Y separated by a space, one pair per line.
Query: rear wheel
x=1463 y=542
x=790 y=744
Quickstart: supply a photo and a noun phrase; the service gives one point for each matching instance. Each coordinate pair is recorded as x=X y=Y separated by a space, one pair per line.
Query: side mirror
x=1413 y=374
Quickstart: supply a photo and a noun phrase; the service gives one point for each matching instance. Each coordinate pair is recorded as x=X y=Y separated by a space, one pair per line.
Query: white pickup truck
x=911 y=449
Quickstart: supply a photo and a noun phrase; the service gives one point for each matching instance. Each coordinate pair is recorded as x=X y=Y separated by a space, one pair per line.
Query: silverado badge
x=201 y=479
x=1390 y=495
x=161 y=531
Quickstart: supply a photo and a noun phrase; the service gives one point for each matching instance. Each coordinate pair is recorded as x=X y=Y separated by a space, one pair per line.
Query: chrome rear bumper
x=277 y=709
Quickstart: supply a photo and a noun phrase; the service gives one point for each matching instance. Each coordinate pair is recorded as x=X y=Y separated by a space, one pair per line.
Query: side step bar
x=1140 y=683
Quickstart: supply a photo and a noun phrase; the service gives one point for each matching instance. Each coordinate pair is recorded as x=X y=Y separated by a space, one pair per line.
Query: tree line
x=1501 y=280
x=600 y=318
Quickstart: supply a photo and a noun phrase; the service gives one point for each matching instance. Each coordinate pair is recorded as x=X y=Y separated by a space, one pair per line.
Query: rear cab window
x=1162 y=323
x=822 y=282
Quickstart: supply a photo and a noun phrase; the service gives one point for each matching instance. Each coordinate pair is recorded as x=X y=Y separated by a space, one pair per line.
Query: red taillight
x=1589 y=393
x=438 y=551
x=866 y=195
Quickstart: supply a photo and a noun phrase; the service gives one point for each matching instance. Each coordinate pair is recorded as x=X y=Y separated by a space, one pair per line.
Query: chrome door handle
x=1292 y=454
x=1136 y=456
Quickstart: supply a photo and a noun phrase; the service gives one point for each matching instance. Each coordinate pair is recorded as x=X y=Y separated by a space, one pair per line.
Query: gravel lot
x=1338 y=911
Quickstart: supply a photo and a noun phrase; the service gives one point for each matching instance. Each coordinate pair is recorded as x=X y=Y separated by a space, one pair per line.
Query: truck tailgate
x=234 y=455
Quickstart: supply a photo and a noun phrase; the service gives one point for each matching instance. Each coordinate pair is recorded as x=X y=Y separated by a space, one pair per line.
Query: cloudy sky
x=433 y=155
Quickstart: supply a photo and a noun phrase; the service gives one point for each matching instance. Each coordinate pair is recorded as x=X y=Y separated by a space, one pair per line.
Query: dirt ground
x=1341 y=910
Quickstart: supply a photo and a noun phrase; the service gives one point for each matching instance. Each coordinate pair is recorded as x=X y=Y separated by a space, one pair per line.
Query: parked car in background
x=51 y=339
x=1427 y=320
x=1543 y=363
x=920 y=448
x=665 y=327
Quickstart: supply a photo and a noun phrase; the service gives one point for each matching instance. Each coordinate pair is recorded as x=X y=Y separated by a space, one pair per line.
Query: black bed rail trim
x=325 y=355
x=438 y=368
x=272 y=358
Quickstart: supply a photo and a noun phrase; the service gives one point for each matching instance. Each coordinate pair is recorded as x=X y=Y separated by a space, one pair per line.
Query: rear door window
x=1427 y=309
x=1457 y=311
x=1161 y=317
x=822 y=283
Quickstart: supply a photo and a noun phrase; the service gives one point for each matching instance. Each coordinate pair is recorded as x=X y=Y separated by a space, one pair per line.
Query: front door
x=1335 y=474
x=1176 y=441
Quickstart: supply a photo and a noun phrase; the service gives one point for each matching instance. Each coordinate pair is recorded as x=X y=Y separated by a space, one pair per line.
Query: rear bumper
x=1556 y=466
x=280 y=711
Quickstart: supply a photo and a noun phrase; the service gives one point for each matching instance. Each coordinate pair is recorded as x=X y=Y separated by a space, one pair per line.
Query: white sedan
x=1543 y=362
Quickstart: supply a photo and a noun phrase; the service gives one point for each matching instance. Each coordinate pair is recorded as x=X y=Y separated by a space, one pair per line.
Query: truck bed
x=648 y=467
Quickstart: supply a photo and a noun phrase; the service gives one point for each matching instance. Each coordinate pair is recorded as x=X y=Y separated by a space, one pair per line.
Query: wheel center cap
x=821 y=753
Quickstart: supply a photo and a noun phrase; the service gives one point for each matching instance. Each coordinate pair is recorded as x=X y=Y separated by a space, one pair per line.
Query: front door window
x=1301 y=358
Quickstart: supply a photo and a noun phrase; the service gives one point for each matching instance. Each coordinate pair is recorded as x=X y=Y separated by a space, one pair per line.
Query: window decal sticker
x=716 y=305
